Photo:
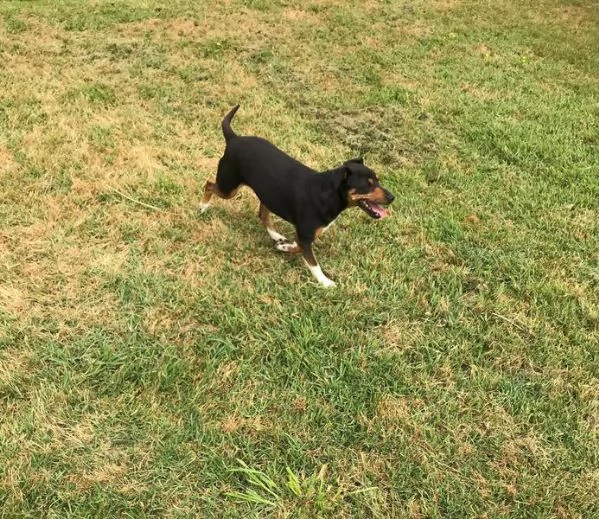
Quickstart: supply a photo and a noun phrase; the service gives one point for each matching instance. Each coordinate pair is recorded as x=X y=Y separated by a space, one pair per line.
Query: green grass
x=158 y=363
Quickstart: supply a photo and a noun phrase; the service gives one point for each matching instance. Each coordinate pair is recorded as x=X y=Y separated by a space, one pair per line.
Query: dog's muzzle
x=375 y=209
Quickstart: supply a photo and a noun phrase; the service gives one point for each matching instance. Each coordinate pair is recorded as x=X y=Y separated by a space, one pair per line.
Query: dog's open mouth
x=373 y=210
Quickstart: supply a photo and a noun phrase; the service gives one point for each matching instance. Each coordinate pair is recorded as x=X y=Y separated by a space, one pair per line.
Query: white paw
x=320 y=277
x=203 y=207
x=276 y=236
x=327 y=283
x=285 y=246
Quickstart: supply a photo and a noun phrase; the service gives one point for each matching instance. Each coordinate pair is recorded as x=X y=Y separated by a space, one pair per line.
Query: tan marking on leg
x=264 y=215
x=313 y=265
x=208 y=191
x=291 y=248
x=211 y=188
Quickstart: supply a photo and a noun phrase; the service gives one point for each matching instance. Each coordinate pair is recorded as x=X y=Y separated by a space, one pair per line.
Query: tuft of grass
x=14 y=25
x=309 y=496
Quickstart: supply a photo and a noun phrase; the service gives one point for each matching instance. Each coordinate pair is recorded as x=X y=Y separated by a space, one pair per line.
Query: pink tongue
x=381 y=211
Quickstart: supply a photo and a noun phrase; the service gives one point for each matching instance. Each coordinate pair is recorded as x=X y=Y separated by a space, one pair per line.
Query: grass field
x=159 y=363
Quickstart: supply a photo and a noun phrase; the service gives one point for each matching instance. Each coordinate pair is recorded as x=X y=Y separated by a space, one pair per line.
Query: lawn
x=155 y=362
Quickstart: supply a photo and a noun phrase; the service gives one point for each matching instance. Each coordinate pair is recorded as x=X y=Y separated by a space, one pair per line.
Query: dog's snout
x=389 y=196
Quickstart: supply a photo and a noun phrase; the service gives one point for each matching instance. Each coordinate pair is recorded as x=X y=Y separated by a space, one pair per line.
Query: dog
x=296 y=193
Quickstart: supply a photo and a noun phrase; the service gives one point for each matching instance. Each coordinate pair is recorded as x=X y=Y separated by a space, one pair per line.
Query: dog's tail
x=226 y=125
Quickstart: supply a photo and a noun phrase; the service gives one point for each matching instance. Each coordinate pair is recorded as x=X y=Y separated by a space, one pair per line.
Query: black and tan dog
x=298 y=194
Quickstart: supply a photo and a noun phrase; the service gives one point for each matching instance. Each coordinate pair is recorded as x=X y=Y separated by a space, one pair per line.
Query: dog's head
x=364 y=190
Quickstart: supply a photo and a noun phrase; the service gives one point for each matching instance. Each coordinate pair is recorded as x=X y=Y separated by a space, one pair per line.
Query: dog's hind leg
x=211 y=188
x=226 y=186
x=281 y=243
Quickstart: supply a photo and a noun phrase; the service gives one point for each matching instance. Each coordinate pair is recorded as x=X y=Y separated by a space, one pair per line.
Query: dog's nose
x=390 y=197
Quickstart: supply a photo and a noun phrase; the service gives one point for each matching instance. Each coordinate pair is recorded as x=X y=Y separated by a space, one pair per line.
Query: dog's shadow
x=248 y=235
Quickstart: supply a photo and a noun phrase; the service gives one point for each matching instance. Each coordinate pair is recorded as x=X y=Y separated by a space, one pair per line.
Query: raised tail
x=226 y=125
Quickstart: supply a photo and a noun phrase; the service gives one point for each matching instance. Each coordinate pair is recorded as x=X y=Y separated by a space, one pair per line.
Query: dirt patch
x=297 y=15
x=393 y=409
x=233 y=423
x=6 y=159
x=401 y=335
x=13 y=301
x=446 y=5
x=364 y=130
x=106 y=474
x=575 y=15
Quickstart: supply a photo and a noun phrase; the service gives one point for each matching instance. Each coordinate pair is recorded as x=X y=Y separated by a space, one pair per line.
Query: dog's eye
x=370 y=182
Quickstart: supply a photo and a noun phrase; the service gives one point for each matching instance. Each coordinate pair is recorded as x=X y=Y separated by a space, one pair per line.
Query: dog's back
x=273 y=175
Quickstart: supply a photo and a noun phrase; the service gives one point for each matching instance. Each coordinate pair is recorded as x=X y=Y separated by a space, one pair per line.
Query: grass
x=157 y=363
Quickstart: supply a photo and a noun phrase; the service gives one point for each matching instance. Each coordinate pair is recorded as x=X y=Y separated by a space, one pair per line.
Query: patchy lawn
x=158 y=363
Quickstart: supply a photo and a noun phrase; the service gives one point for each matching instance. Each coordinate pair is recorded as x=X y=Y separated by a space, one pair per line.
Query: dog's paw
x=285 y=246
x=275 y=236
x=202 y=208
x=320 y=277
x=327 y=283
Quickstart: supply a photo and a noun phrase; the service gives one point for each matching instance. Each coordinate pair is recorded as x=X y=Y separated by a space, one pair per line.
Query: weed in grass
x=310 y=496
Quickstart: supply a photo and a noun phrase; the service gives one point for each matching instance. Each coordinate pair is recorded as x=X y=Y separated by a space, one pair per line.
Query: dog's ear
x=350 y=165
x=344 y=173
x=347 y=170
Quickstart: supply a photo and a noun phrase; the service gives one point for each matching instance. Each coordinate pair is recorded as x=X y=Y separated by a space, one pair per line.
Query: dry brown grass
x=144 y=349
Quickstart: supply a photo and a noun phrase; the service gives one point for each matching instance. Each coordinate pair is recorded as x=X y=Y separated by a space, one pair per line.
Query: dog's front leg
x=312 y=264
